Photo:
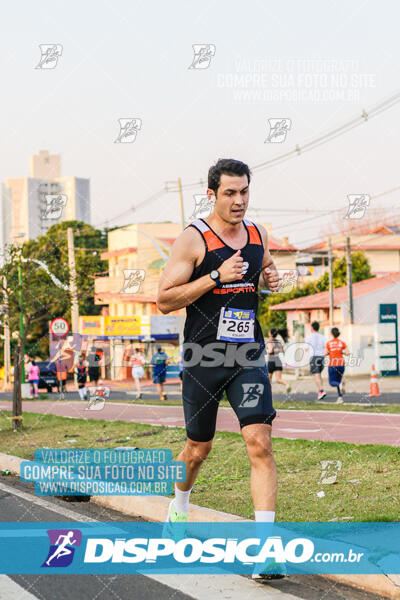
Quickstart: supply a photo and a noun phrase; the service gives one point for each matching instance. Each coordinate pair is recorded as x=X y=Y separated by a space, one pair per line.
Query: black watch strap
x=216 y=279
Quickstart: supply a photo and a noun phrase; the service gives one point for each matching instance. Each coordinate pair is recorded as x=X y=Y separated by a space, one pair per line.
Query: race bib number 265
x=236 y=325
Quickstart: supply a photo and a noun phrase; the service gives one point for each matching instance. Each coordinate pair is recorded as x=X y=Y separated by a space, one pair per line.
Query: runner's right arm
x=175 y=291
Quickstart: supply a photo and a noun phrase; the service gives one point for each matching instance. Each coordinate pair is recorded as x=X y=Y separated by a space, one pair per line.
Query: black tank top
x=202 y=317
x=81 y=370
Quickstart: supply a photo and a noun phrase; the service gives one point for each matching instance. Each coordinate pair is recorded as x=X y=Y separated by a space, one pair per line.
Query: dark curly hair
x=226 y=166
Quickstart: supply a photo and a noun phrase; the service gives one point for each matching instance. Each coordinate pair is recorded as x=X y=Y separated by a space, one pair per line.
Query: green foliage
x=42 y=299
x=361 y=270
x=277 y=318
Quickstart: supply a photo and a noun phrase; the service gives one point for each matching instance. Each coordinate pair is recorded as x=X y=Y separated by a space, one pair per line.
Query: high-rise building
x=30 y=205
x=45 y=165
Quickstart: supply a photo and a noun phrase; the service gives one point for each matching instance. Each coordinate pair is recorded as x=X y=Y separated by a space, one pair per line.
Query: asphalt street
x=18 y=503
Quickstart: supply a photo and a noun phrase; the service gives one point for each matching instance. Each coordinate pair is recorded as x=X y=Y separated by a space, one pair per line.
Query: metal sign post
x=59 y=327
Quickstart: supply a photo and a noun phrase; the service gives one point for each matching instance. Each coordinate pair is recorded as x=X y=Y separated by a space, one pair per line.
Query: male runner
x=317 y=341
x=213 y=270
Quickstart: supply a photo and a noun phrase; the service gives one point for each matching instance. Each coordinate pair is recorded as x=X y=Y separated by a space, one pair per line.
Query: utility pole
x=182 y=210
x=349 y=269
x=73 y=288
x=330 y=264
x=7 y=357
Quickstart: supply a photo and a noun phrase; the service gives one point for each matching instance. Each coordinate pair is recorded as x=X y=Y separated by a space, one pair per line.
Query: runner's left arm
x=269 y=276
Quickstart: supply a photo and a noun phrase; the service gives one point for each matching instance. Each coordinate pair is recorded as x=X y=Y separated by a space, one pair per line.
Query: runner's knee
x=197 y=452
x=259 y=447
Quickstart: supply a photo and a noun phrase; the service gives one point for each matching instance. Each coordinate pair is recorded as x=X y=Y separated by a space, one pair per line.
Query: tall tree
x=41 y=299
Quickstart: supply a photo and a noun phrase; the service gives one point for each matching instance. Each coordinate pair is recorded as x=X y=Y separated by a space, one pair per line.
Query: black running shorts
x=248 y=390
x=316 y=364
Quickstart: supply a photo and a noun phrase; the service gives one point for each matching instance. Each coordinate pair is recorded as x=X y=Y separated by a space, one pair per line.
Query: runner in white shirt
x=317 y=341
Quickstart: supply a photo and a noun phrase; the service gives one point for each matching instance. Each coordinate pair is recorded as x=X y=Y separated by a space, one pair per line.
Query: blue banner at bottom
x=240 y=547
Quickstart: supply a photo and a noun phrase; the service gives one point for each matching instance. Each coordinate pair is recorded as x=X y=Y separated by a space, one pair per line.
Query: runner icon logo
x=50 y=53
x=358 y=204
x=329 y=471
x=132 y=280
x=62 y=547
x=128 y=129
x=252 y=394
x=278 y=129
x=97 y=397
x=203 y=207
x=203 y=54
x=55 y=204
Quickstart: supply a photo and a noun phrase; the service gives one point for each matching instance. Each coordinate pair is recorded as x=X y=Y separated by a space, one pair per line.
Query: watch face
x=214 y=274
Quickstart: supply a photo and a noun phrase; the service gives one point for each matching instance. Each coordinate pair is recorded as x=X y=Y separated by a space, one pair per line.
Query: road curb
x=154 y=508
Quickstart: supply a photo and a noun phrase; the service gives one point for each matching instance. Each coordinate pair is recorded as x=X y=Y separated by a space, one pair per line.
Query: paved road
x=17 y=503
x=339 y=426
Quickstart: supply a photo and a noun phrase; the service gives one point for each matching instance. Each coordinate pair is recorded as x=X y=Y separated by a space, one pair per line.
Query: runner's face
x=232 y=198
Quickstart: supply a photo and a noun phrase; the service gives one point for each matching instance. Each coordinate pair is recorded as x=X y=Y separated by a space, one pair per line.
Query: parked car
x=48 y=375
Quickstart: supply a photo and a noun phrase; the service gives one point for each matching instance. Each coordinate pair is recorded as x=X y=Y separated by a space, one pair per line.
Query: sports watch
x=215 y=277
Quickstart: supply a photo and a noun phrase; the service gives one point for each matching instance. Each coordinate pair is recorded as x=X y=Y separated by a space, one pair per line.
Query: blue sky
x=130 y=59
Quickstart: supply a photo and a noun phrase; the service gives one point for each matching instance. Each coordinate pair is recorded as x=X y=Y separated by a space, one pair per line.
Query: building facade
x=380 y=245
x=367 y=339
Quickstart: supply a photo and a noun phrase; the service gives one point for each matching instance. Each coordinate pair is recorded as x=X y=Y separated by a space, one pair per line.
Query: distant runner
x=160 y=362
x=274 y=348
x=137 y=362
x=214 y=270
x=81 y=373
x=335 y=349
x=318 y=342
x=33 y=377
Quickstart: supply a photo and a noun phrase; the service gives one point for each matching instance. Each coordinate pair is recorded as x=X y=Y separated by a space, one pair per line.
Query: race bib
x=236 y=325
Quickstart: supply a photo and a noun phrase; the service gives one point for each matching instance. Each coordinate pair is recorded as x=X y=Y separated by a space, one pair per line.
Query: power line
x=330 y=135
x=299 y=149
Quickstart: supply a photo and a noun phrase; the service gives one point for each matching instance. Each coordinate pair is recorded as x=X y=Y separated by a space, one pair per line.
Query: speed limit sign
x=59 y=327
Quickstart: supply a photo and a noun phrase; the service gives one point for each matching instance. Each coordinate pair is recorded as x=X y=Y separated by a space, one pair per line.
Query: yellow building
x=136 y=257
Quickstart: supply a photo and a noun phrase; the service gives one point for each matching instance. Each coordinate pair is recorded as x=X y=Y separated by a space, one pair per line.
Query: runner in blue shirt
x=160 y=362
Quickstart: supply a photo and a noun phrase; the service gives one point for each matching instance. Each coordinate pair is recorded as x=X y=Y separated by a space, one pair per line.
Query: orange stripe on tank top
x=254 y=237
x=213 y=242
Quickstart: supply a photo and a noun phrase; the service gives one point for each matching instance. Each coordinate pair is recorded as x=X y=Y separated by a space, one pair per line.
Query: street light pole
x=21 y=316
x=7 y=355
x=73 y=290
x=349 y=269
x=331 y=300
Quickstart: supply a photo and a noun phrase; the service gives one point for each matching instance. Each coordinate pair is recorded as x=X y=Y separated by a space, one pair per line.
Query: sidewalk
x=353 y=384
x=126 y=384
x=304 y=384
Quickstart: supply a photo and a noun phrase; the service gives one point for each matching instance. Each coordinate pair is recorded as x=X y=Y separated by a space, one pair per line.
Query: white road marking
x=70 y=514
x=290 y=430
x=9 y=590
x=199 y=587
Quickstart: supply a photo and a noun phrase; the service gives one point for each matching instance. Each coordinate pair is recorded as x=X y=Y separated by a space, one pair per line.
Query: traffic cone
x=373 y=386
